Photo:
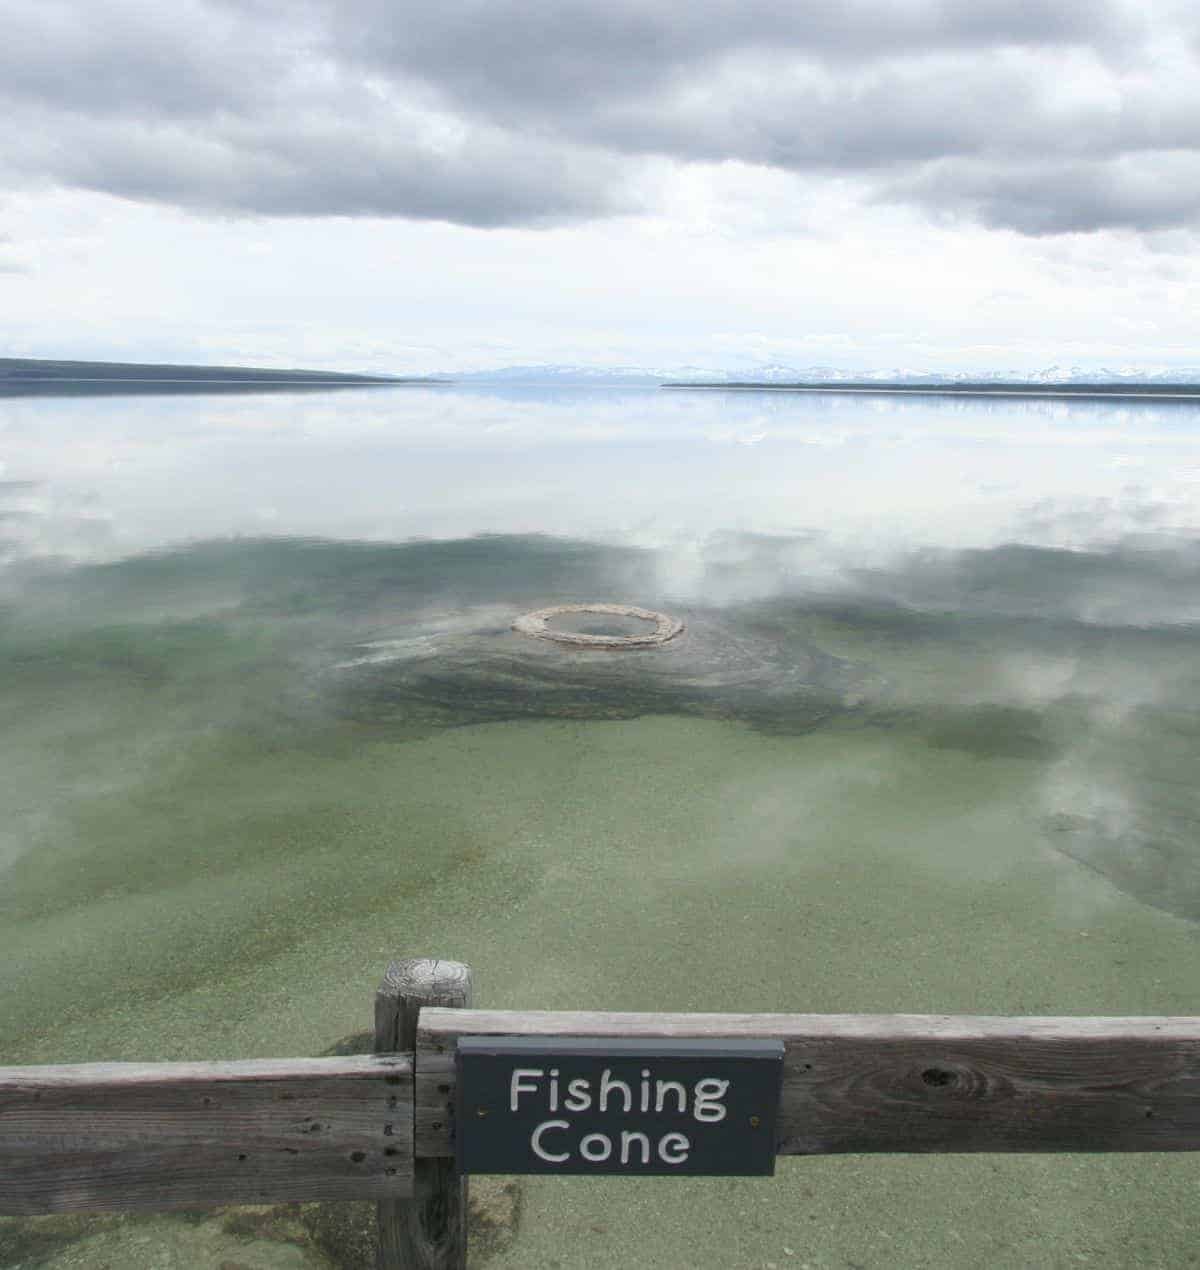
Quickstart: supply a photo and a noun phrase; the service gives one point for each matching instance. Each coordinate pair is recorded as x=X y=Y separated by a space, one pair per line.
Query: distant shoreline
x=42 y=370
x=312 y=380
x=50 y=377
x=1172 y=392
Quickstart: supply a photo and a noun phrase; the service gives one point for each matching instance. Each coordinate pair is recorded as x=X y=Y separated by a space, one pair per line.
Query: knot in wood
x=957 y=1080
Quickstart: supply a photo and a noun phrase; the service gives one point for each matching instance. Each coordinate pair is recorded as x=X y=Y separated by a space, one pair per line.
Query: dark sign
x=531 y=1104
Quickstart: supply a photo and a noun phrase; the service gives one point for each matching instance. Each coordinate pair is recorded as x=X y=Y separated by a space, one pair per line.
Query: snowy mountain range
x=771 y=373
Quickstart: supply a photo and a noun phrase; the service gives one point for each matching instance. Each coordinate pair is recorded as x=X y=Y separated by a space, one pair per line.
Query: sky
x=946 y=185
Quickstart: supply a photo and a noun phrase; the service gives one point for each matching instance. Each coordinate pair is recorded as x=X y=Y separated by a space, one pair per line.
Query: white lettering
x=607 y=1085
x=579 y=1095
x=673 y=1148
x=618 y=1098
x=536 y=1141
x=661 y=1088
x=708 y=1105
x=603 y=1147
x=515 y=1088
x=626 y=1138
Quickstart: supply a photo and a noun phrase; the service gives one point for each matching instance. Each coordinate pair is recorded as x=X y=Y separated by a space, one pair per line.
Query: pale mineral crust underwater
x=536 y=625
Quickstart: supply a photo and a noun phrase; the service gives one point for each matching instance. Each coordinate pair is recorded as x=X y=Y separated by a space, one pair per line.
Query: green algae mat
x=242 y=776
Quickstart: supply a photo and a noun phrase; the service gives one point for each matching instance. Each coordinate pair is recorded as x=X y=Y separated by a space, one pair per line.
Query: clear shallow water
x=928 y=744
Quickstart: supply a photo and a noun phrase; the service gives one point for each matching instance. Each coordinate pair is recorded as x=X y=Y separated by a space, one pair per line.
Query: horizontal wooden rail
x=131 y=1136
x=123 y=1136
x=902 y=1083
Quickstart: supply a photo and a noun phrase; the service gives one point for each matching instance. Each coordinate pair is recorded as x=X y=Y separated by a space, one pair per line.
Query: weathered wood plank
x=128 y=1136
x=904 y=1083
x=429 y=1230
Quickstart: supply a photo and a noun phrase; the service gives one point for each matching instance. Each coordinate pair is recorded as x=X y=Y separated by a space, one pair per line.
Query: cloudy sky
x=933 y=184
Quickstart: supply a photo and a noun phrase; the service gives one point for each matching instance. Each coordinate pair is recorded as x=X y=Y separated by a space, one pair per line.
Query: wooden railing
x=903 y=1082
x=112 y=1136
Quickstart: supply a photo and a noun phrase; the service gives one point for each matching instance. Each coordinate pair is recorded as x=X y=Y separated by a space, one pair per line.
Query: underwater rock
x=1126 y=804
x=344 y=1234
x=355 y=1043
x=466 y=668
x=34 y=1241
x=493 y=1216
x=1161 y=869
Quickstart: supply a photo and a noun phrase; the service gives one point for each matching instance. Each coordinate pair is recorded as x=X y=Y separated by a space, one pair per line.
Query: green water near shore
x=245 y=776
x=611 y=864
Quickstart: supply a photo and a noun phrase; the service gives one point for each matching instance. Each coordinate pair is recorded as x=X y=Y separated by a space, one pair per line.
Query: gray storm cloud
x=1045 y=118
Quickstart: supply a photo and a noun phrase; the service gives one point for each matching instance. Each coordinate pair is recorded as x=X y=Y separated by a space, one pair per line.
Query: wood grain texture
x=429 y=1230
x=904 y=1083
x=143 y=1136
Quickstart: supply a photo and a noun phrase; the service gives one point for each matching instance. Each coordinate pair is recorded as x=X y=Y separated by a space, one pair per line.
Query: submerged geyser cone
x=535 y=624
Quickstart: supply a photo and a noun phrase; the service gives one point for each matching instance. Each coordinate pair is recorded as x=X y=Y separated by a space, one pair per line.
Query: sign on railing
x=452 y=1091
x=635 y=1107
x=889 y=1082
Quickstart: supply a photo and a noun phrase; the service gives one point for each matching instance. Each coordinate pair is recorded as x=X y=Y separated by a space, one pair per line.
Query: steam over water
x=929 y=743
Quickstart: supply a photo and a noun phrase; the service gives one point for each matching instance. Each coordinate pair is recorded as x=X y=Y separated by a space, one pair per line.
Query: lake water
x=928 y=744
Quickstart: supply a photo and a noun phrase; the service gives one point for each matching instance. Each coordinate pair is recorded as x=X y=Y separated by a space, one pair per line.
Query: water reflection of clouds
x=870 y=473
x=39 y=520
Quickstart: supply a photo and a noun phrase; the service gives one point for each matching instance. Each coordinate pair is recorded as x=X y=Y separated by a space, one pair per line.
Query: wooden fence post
x=429 y=1231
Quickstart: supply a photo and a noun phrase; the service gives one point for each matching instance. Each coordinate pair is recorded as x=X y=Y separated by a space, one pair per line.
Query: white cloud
x=921 y=185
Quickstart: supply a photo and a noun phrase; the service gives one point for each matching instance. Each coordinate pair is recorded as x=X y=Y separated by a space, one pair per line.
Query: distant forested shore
x=33 y=375
x=49 y=368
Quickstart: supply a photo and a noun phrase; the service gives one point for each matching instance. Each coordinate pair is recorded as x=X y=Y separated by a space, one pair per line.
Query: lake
x=928 y=744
